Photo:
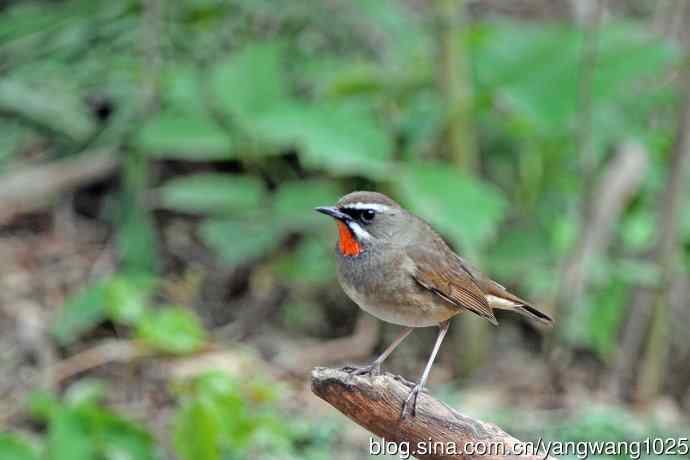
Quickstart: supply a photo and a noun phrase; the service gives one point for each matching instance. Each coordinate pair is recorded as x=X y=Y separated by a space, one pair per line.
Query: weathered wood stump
x=436 y=432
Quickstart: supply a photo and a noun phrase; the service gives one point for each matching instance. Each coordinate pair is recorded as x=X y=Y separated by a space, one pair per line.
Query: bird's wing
x=446 y=277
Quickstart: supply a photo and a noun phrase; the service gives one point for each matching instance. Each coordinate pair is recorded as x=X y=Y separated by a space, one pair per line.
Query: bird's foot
x=410 y=403
x=372 y=369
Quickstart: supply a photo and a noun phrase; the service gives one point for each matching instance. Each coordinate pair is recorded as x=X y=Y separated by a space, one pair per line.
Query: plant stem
x=453 y=81
x=672 y=200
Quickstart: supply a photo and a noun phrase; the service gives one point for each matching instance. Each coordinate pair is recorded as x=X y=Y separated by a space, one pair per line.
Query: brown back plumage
x=443 y=272
x=449 y=279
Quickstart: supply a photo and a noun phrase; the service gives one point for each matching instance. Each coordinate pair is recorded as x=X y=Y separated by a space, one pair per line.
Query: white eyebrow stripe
x=359 y=231
x=374 y=206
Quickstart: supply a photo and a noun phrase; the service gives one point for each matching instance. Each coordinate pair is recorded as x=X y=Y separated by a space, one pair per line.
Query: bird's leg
x=375 y=367
x=411 y=401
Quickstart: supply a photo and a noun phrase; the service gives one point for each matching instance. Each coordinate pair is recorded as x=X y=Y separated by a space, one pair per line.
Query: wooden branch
x=614 y=190
x=649 y=318
x=106 y=352
x=673 y=201
x=34 y=187
x=436 y=432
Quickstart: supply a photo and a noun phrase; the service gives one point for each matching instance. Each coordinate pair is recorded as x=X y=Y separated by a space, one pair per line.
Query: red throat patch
x=347 y=243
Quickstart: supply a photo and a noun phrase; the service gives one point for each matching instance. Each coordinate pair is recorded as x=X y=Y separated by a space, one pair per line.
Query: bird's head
x=365 y=219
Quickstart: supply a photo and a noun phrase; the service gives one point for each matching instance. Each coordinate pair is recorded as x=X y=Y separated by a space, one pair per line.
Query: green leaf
x=128 y=297
x=520 y=253
x=627 y=53
x=605 y=314
x=69 y=437
x=13 y=137
x=311 y=264
x=638 y=230
x=638 y=272
x=563 y=234
x=197 y=432
x=172 y=330
x=345 y=141
x=420 y=122
x=400 y=27
x=231 y=418
x=81 y=428
x=80 y=313
x=222 y=400
x=12 y=447
x=353 y=78
x=55 y=107
x=192 y=137
x=240 y=241
x=122 y=298
x=462 y=207
x=342 y=139
x=215 y=385
x=42 y=404
x=119 y=438
x=211 y=193
x=182 y=88
x=282 y=124
x=545 y=94
x=532 y=72
x=251 y=81
x=85 y=392
x=294 y=203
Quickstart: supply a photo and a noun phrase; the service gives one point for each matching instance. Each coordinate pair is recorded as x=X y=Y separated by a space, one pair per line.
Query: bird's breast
x=380 y=285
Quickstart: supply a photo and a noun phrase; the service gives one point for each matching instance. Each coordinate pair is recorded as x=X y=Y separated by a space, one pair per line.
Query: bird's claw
x=410 y=402
x=372 y=369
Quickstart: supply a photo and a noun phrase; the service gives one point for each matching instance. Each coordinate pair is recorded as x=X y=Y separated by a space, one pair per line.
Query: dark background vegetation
x=166 y=286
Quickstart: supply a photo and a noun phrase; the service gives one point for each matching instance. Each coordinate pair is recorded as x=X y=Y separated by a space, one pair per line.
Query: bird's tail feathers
x=504 y=300
x=534 y=314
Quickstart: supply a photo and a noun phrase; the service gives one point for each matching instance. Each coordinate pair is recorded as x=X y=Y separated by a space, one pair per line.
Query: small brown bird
x=396 y=267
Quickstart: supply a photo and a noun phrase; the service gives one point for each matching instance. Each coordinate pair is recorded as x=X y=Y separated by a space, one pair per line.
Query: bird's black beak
x=333 y=212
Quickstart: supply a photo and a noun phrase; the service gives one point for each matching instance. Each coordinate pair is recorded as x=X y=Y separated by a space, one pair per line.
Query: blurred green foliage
x=593 y=422
x=217 y=420
x=80 y=427
x=126 y=300
x=216 y=417
x=360 y=115
x=262 y=112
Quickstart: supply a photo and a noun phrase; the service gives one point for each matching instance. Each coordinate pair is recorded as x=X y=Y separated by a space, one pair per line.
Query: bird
x=396 y=267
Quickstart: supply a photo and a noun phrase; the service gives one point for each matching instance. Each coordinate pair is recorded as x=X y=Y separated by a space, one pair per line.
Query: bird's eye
x=367 y=216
